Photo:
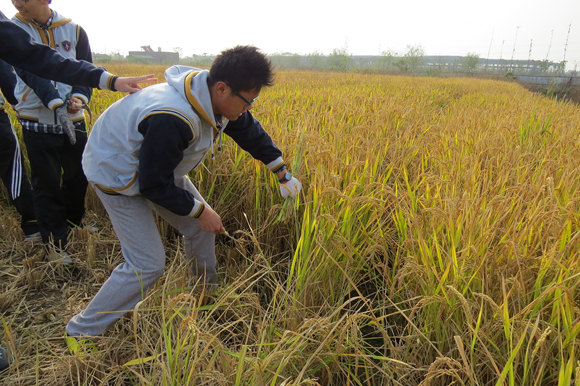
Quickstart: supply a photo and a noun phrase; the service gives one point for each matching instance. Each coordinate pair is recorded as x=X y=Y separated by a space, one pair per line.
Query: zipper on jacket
x=47 y=36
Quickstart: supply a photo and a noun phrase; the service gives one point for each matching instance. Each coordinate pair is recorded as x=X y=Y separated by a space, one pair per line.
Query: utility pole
x=501 y=53
x=530 y=56
x=565 y=48
x=489 y=50
x=514 y=50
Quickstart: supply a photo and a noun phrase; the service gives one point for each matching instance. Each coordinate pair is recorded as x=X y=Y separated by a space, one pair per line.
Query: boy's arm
x=7 y=82
x=165 y=137
x=249 y=134
x=19 y=50
x=44 y=89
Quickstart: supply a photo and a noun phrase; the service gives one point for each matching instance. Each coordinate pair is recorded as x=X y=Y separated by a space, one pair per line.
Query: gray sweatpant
x=134 y=223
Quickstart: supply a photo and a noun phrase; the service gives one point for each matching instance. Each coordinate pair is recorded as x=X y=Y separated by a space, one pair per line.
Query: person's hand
x=131 y=84
x=210 y=221
x=74 y=106
x=291 y=188
x=65 y=121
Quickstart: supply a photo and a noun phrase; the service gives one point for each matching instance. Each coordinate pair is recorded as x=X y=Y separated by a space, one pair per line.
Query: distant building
x=155 y=57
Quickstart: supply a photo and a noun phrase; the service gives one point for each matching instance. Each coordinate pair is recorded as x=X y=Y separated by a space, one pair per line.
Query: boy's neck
x=43 y=19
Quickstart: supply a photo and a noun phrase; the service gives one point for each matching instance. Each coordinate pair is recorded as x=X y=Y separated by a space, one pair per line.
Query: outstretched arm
x=20 y=51
x=251 y=136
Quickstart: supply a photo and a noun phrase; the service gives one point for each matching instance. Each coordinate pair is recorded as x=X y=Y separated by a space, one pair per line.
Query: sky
x=492 y=29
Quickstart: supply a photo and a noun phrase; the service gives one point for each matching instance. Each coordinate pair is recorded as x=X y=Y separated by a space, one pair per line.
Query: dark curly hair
x=243 y=68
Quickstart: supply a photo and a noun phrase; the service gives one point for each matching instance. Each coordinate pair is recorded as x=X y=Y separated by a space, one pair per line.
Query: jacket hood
x=57 y=20
x=191 y=83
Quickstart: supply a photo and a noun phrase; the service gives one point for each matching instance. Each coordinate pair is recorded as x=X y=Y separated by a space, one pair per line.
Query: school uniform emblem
x=66 y=45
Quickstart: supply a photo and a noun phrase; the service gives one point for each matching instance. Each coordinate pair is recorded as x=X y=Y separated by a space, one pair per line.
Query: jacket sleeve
x=165 y=137
x=83 y=52
x=7 y=82
x=20 y=51
x=44 y=89
x=249 y=134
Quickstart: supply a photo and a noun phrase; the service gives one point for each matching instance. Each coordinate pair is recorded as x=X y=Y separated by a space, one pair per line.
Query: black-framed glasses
x=248 y=103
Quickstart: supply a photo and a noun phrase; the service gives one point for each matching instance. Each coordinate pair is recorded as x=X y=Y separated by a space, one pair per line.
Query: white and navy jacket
x=146 y=141
x=38 y=97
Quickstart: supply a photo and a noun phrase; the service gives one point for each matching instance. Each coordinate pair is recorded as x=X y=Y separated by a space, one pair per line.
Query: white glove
x=66 y=123
x=290 y=188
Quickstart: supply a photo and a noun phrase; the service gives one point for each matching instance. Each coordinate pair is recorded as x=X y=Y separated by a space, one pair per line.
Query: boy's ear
x=221 y=88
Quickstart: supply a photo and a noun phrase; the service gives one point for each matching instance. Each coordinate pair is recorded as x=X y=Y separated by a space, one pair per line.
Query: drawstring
x=220 y=132
x=219 y=145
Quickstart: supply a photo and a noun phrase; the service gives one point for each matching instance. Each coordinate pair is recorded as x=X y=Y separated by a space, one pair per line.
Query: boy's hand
x=74 y=106
x=291 y=188
x=210 y=221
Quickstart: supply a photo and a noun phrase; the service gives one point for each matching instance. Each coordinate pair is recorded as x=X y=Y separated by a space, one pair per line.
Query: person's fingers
x=135 y=80
x=216 y=231
x=210 y=221
x=131 y=84
x=137 y=88
x=146 y=78
x=218 y=227
x=75 y=105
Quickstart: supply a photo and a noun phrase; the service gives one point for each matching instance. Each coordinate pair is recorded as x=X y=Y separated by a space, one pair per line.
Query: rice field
x=436 y=242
